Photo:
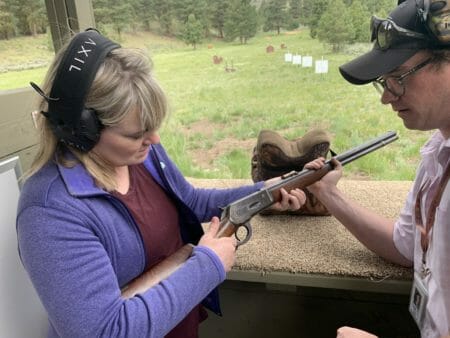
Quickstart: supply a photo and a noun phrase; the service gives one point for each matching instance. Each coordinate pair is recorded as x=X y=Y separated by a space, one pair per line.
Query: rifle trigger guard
x=248 y=228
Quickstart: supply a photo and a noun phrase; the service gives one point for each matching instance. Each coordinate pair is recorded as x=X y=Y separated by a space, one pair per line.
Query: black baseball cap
x=370 y=66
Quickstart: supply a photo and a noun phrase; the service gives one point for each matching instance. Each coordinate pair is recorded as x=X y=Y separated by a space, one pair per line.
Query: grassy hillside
x=216 y=115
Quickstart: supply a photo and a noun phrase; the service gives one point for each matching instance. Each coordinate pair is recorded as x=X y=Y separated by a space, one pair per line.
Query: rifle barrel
x=366 y=148
x=344 y=158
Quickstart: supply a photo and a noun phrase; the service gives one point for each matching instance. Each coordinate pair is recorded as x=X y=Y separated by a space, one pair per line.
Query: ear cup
x=438 y=19
x=84 y=136
x=90 y=127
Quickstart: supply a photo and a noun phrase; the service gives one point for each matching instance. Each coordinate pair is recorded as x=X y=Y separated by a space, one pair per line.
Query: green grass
x=18 y=79
x=263 y=93
x=23 y=50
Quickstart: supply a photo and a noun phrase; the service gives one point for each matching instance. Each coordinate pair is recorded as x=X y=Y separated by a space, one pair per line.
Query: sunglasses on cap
x=386 y=33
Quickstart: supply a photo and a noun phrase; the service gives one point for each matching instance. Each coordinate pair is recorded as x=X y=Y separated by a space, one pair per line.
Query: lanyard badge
x=418 y=300
x=419 y=293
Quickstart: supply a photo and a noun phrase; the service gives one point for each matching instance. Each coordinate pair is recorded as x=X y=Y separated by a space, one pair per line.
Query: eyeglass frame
x=381 y=83
x=399 y=32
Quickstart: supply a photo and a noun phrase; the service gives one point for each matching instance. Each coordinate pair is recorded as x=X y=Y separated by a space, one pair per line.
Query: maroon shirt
x=157 y=218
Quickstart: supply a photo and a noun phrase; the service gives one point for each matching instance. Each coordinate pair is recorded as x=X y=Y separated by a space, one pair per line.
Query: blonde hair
x=123 y=83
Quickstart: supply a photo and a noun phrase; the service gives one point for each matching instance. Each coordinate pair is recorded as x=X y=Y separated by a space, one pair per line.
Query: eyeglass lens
x=374 y=22
x=394 y=86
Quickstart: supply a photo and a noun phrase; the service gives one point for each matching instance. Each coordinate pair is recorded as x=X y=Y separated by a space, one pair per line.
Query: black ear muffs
x=71 y=122
x=84 y=136
x=436 y=16
x=439 y=20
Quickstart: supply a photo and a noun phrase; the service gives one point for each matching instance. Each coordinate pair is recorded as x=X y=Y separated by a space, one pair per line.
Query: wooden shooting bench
x=297 y=270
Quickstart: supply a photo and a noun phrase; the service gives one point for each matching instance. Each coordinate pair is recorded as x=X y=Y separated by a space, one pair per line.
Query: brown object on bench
x=275 y=155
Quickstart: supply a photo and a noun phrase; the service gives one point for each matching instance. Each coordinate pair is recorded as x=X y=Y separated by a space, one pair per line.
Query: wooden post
x=67 y=17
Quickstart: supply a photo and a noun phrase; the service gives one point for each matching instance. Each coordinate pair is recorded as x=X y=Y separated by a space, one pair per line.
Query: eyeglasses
x=395 y=84
x=386 y=33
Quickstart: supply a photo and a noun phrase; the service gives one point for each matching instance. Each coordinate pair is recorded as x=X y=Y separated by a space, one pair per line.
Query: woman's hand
x=224 y=247
x=350 y=332
x=291 y=201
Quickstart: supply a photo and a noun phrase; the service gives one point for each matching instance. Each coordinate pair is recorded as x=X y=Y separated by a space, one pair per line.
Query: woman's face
x=126 y=143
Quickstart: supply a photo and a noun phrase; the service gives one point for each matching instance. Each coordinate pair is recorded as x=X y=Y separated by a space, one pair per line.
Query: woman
x=103 y=203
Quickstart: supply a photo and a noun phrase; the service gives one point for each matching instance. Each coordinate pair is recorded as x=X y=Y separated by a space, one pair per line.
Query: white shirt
x=435 y=156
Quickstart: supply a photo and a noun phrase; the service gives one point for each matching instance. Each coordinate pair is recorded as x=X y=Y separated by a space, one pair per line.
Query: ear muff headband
x=71 y=121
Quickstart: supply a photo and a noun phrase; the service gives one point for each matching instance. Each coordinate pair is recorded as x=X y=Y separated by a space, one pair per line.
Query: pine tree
x=335 y=26
x=241 y=21
x=293 y=14
x=380 y=8
x=200 y=9
x=6 y=22
x=249 y=18
x=275 y=15
x=116 y=13
x=144 y=13
x=193 y=31
x=163 y=11
x=29 y=15
x=361 y=21
x=313 y=11
x=218 y=12
x=295 y=9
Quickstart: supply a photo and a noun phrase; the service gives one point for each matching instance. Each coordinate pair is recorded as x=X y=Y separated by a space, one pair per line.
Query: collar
x=80 y=183
x=436 y=154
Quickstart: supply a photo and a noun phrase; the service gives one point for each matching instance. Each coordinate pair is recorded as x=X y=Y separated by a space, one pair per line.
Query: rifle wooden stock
x=290 y=181
x=166 y=267
x=159 y=272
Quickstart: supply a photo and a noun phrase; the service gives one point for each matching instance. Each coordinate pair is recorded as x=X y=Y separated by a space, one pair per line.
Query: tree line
x=22 y=17
x=336 y=22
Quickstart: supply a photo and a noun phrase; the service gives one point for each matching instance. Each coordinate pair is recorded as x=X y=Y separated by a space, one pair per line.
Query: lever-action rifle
x=239 y=213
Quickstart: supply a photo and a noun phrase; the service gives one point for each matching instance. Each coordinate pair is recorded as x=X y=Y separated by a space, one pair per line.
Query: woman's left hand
x=291 y=201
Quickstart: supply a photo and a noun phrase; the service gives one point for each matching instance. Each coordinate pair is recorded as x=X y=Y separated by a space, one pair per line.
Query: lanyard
x=425 y=230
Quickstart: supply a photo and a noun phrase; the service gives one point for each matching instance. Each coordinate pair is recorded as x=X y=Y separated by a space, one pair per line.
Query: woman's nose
x=151 y=138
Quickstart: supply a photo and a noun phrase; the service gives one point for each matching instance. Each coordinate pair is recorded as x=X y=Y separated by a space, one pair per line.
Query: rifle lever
x=248 y=234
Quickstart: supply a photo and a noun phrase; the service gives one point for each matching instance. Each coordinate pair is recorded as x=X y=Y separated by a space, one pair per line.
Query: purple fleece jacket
x=80 y=245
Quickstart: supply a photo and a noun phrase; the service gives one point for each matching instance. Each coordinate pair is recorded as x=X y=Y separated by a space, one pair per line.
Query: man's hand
x=224 y=247
x=350 y=332
x=291 y=201
x=330 y=179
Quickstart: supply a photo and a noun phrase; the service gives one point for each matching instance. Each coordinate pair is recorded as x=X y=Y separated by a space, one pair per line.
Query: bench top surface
x=320 y=245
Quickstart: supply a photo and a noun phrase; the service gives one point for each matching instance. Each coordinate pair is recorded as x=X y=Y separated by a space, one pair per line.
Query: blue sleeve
x=77 y=283
x=205 y=203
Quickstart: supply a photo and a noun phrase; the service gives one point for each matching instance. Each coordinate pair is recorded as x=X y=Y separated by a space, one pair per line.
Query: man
x=410 y=67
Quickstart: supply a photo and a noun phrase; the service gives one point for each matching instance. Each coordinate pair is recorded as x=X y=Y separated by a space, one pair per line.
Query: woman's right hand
x=224 y=247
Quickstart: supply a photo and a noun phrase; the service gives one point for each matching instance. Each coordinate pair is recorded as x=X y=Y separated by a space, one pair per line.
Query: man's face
x=425 y=105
